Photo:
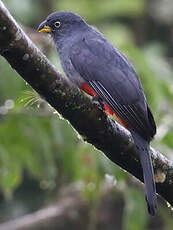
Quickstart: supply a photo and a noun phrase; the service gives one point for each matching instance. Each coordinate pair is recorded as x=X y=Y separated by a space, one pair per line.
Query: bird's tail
x=145 y=158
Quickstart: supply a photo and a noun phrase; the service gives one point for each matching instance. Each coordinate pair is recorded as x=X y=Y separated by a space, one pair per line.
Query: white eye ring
x=57 y=24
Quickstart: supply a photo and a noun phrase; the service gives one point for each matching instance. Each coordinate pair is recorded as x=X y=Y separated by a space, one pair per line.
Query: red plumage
x=89 y=90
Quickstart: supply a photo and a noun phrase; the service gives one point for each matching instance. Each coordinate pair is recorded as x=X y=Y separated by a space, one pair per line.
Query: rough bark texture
x=89 y=121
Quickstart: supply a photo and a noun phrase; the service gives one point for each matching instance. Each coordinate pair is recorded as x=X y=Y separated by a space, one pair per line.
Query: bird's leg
x=99 y=102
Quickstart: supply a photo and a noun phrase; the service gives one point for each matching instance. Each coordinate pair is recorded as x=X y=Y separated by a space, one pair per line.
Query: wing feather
x=126 y=112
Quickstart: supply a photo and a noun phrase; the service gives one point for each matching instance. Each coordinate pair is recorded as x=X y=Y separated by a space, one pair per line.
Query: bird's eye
x=57 y=24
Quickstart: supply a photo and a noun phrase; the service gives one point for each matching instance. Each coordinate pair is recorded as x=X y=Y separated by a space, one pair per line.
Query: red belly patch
x=89 y=90
x=110 y=111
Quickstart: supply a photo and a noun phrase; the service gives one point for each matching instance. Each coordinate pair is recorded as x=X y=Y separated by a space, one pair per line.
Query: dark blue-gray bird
x=92 y=63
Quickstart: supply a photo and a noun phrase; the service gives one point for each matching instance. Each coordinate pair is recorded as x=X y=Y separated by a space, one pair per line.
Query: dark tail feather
x=145 y=159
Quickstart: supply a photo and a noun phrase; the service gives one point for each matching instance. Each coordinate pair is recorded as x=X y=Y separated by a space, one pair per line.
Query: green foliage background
x=41 y=151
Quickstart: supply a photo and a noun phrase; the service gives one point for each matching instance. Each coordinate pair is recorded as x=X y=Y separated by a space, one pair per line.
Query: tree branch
x=89 y=121
x=73 y=212
x=69 y=212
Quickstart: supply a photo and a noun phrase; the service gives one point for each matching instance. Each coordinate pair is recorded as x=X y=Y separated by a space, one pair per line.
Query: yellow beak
x=45 y=29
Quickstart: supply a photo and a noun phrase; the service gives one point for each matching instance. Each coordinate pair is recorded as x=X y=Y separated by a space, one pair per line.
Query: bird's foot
x=99 y=102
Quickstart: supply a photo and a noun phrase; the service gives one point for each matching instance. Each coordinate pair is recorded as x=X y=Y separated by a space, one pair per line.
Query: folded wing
x=111 y=75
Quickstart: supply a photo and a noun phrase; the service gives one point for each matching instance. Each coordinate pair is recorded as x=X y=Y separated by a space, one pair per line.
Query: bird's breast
x=69 y=69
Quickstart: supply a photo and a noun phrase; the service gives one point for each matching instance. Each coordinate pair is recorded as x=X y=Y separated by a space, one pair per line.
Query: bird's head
x=61 y=24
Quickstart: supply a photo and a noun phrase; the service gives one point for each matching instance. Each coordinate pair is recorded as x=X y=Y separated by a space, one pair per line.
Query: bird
x=98 y=68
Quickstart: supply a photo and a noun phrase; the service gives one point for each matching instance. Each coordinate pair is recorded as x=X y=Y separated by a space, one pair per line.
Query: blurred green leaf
x=135 y=216
x=93 y=10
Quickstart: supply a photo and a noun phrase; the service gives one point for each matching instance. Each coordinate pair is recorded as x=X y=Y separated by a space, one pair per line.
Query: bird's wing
x=111 y=75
